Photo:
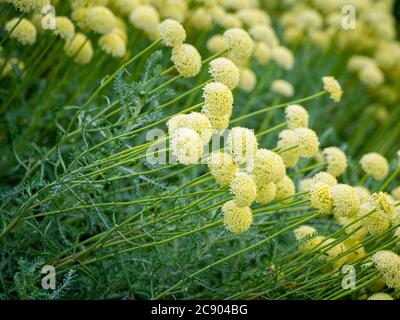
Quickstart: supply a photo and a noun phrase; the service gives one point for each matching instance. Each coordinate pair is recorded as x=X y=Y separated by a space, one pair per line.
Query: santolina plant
x=156 y=150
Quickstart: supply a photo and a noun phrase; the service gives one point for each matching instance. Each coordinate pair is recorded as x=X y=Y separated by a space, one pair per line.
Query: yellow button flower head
x=218 y=122
x=358 y=62
x=296 y=116
x=345 y=200
x=336 y=159
x=266 y=193
x=244 y=189
x=223 y=167
x=65 y=29
x=195 y=121
x=334 y=252
x=124 y=7
x=200 y=124
x=268 y=167
x=174 y=9
x=371 y=76
x=321 y=197
x=29 y=5
x=200 y=19
x=79 y=16
x=282 y=87
x=242 y=144
x=113 y=45
x=187 y=60
x=217 y=43
x=374 y=165
x=333 y=88
x=376 y=222
x=383 y=202
x=380 y=296
x=80 y=48
x=325 y=177
x=288 y=139
x=307 y=141
x=283 y=57
x=248 y=79
x=396 y=193
x=236 y=219
x=363 y=193
x=284 y=189
x=306 y=184
x=388 y=264
x=176 y=122
x=145 y=17
x=218 y=99
x=239 y=43
x=224 y=71
x=229 y=21
x=307 y=238
x=186 y=146
x=100 y=19
x=262 y=53
x=253 y=16
x=357 y=253
x=172 y=32
x=264 y=34
x=25 y=32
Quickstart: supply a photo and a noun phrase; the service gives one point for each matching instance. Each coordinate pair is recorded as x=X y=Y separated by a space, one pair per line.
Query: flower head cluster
x=284 y=189
x=187 y=60
x=288 y=140
x=282 y=87
x=80 y=48
x=145 y=17
x=335 y=251
x=100 y=19
x=325 y=177
x=266 y=193
x=244 y=189
x=172 y=32
x=195 y=121
x=223 y=167
x=283 y=57
x=374 y=165
x=22 y=30
x=321 y=197
x=237 y=219
x=268 y=167
x=248 y=79
x=336 y=159
x=373 y=221
x=239 y=42
x=186 y=146
x=29 y=5
x=218 y=104
x=224 y=71
x=112 y=44
x=345 y=200
x=296 y=116
x=363 y=193
x=388 y=264
x=307 y=141
x=65 y=29
x=333 y=88
x=242 y=144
